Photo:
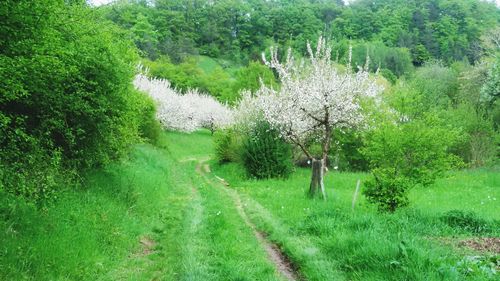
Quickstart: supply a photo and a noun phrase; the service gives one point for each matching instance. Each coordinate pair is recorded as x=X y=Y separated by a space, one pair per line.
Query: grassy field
x=209 y=65
x=327 y=239
x=163 y=214
x=151 y=217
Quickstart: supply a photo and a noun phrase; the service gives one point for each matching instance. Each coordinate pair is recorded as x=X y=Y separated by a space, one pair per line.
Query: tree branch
x=295 y=140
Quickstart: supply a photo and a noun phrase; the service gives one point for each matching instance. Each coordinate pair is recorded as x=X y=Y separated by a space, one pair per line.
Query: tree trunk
x=317 y=188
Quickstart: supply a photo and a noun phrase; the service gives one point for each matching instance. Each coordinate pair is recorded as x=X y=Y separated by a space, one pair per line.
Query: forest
x=249 y=140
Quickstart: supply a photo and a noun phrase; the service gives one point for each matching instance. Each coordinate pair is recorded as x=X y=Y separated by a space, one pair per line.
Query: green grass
x=98 y=231
x=473 y=190
x=94 y=230
x=208 y=65
x=328 y=238
x=158 y=216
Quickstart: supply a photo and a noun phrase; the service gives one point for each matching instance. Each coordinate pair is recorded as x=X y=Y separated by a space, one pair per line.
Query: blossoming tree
x=315 y=98
x=184 y=112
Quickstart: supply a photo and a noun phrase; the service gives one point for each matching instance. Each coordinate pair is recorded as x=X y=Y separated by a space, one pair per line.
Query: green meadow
x=163 y=214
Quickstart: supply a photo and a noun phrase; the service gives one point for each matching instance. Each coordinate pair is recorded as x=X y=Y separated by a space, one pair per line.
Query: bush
x=265 y=154
x=149 y=126
x=417 y=149
x=32 y=176
x=345 y=152
x=477 y=146
x=405 y=155
x=397 y=60
x=66 y=97
x=387 y=74
x=387 y=189
x=437 y=85
x=466 y=221
x=228 y=145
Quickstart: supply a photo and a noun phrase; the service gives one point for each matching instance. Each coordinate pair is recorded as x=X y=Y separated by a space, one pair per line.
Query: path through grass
x=151 y=217
x=164 y=214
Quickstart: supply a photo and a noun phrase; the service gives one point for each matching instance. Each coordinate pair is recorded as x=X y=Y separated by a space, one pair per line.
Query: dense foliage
x=405 y=155
x=396 y=34
x=209 y=76
x=265 y=154
x=444 y=29
x=228 y=145
x=66 y=96
x=417 y=150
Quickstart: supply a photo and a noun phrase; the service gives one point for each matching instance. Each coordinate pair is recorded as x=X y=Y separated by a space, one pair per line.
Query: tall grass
x=89 y=231
x=151 y=217
x=326 y=239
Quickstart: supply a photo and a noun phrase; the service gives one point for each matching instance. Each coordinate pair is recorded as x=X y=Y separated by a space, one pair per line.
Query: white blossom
x=314 y=97
x=184 y=112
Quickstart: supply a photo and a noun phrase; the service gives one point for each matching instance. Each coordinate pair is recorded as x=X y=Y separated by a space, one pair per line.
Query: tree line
x=449 y=30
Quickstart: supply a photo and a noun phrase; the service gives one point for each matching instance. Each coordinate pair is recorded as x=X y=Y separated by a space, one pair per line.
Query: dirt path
x=275 y=255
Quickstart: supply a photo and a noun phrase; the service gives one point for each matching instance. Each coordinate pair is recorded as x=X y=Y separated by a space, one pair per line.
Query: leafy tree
x=420 y=55
x=437 y=84
x=405 y=155
x=251 y=76
x=490 y=91
x=145 y=36
x=397 y=60
x=66 y=99
x=235 y=29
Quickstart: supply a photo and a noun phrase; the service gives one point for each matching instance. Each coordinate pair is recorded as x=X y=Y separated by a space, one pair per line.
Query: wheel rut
x=275 y=255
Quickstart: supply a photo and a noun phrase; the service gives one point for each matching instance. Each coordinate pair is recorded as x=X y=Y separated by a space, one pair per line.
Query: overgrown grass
x=160 y=216
x=473 y=190
x=95 y=229
x=328 y=238
x=151 y=217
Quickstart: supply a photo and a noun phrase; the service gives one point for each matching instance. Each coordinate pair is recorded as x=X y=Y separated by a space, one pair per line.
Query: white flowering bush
x=184 y=112
x=314 y=99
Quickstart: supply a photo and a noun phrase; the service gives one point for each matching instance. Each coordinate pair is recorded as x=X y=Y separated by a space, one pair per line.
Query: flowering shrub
x=184 y=112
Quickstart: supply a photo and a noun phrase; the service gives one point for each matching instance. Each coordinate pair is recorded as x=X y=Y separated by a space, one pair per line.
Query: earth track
x=280 y=261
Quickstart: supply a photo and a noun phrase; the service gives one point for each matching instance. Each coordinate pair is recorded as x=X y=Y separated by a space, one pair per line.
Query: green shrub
x=66 y=97
x=405 y=155
x=387 y=189
x=387 y=74
x=228 y=145
x=397 y=60
x=265 y=154
x=33 y=176
x=466 y=221
x=477 y=145
x=149 y=127
x=436 y=84
x=417 y=149
x=345 y=152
